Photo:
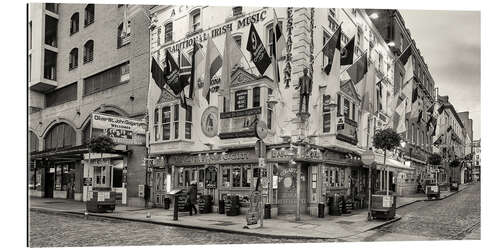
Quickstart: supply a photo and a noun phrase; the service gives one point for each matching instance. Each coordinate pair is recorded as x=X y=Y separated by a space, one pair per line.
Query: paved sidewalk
x=282 y=226
x=402 y=201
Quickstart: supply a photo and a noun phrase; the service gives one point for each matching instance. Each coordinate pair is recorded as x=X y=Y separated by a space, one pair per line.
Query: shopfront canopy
x=391 y=164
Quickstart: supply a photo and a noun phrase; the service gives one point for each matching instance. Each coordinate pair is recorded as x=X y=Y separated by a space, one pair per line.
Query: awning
x=391 y=164
x=71 y=153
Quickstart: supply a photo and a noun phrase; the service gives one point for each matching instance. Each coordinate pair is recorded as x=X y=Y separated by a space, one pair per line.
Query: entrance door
x=49 y=183
x=287 y=189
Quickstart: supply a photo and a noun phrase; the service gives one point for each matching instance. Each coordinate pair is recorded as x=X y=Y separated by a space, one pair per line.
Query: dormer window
x=237 y=10
x=195 y=20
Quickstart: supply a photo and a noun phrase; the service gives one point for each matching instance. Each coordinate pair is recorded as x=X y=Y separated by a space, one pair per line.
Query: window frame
x=89 y=17
x=73 y=59
x=326 y=112
x=88 y=51
x=74 y=23
x=193 y=27
x=237 y=11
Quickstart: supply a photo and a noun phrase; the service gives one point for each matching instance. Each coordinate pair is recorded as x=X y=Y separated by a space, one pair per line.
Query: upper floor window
x=195 y=20
x=237 y=10
x=189 y=122
x=327 y=114
x=60 y=136
x=74 y=26
x=73 y=59
x=61 y=95
x=123 y=35
x=237 y=39
x=106 y=79
x=332 y=24
x=88 y=51
x=269 y=33
x=52 y=7
x=89 y=14
x=168 y=32
x=256 y=97
x=269 y=111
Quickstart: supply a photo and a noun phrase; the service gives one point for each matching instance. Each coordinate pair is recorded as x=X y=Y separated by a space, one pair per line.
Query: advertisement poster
x=122 y=130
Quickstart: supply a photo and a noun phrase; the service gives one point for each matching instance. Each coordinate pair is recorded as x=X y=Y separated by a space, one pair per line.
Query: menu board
x=241 y=99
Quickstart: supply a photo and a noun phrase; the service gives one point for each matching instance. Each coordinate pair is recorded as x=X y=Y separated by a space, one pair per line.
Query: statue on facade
x=305 y=85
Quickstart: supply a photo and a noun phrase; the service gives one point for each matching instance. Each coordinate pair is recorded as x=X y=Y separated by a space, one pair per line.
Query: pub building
x=212 y=141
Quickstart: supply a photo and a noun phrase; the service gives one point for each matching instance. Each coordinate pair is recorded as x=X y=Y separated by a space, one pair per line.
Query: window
x=195 y=20
x=61 y=95
x=236 y=176
x=166 y=119
x=52 y=7
x=338 y=104
x=246 y=176
x=60 y=136
x=74 y=25
x=189 y=122
x=156 y=125
x=327 y=116
x=168 y=32
x=237 y=10
x=241 y=99
x=73 y=59
x=347 y=108
x=101 y=176
x=269 y=111
x=123 y=36
x=354 y=111
x=88 y=52
x=237 y=39
x=270 y=32
x=334 y=176
x=107 y=79
x=256 y=97
x=176 y=121
x=125 y=72
x=226 y=172
x=89 y=15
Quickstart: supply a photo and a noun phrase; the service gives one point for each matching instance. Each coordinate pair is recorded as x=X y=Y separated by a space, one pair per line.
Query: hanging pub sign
x=347 y=130
x=242 y=123
x=122 y=130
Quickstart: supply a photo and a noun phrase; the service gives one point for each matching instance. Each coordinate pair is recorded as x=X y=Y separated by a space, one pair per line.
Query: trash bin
x=321 y=210
x=333 y=206
x=222 y=209
x=233 y=208
x=166 y=203
x=267 y=211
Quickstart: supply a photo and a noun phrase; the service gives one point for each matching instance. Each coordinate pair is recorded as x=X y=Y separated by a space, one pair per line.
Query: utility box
x=383 y=205
x=101 y=200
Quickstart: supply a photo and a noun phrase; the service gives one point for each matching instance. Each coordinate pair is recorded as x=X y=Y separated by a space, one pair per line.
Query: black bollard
x=176 y=208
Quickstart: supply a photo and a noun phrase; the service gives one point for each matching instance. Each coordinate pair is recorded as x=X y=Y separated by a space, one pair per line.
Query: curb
x=384 y=224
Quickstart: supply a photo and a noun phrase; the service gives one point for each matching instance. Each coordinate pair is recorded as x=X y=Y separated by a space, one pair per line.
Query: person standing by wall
x=192 y=199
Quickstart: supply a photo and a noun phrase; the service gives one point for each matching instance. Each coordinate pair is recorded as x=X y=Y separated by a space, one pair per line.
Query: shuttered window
x=62 y=95
x=106 y=79
x=60 y=136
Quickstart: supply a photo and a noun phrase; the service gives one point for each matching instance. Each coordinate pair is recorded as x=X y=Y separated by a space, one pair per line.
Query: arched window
x=33 y=142
x=88 y=51
x=74 y=23
x=73 y=59
x=195 y=20
x=89 y=14
x=123 y=36
x=60 y=136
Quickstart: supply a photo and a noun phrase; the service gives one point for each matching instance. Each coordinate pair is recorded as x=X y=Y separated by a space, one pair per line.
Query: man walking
x=192 y=200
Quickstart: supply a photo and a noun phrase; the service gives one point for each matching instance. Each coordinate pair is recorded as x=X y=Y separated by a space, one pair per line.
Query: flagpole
x=317 y=54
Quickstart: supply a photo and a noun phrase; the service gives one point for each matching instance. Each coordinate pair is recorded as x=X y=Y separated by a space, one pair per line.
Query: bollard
x=176 y=208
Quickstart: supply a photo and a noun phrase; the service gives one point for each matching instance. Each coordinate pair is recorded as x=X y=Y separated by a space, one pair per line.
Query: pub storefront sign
x=219 y=158
x=237 y=24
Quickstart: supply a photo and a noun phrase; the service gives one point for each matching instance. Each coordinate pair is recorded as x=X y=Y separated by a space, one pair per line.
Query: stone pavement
x=402 y=201
x=330 y=227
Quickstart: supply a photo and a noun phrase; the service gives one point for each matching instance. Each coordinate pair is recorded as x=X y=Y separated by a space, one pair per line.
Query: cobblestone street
x=51 y=230
x=454 y=218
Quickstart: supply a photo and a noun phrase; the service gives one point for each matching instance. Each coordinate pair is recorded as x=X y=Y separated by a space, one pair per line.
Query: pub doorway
x=287 y=188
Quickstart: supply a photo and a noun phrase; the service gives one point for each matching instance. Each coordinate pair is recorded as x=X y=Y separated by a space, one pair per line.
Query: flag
x=157 y=73
x=183 y=100
x=399 y=116
x=368 y=89
x=196 y=71
x=347 y=53
x=171 y=74
x=439 y=141
x=278 y=46
x=279 y=39
x=358 y=70
x=185 y=69
x=213 y=63
x=330 y=47
x=416 y=105
x=407 y=90
x=257 y=51
x=232 y=57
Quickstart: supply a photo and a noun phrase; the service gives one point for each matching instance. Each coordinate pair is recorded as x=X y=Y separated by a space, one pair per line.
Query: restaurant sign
x=240 y=123
x=122 y=130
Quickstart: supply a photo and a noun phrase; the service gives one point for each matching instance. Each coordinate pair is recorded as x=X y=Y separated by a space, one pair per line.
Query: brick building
x=83 y=59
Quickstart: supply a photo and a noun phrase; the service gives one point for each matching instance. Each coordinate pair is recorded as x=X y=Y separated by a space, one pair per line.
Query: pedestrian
x=192 y=200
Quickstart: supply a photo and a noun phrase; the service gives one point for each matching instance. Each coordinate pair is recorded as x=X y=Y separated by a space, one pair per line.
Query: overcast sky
x=450 y=42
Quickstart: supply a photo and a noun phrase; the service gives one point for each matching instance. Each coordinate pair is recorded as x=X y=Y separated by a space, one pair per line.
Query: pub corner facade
x=211 y=143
